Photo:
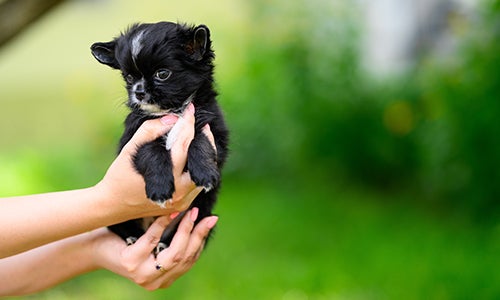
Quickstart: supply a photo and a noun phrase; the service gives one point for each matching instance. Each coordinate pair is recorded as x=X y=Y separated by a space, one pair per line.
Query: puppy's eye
x=163 y=74
x=129 y=79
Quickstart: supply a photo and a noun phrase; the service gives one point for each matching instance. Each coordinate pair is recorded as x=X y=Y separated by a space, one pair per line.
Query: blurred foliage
x=461 y=103
x=319 y=112
x=434 y=129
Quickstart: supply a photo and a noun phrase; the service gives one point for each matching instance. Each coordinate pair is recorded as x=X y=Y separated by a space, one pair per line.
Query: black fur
x=164 y=64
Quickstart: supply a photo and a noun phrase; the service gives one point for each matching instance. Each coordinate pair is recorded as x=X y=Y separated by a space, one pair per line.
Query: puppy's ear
x=105 y=53
x=199 y=43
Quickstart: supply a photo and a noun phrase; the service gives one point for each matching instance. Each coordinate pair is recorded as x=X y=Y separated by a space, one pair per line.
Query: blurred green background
x=365 y=142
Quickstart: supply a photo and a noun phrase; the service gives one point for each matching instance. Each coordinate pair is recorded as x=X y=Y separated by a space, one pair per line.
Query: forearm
x=46 y=218
x=46 y=266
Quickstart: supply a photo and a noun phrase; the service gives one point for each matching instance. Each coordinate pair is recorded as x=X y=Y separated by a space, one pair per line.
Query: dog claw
x=208 y=188
x=158 y=195
x=131 y=240
x=163 y=203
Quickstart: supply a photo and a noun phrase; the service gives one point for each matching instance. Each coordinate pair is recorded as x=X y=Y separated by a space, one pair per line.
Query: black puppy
x=166 y=66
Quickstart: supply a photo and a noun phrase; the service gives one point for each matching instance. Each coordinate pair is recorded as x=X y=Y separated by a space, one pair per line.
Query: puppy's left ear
x=200 y=42
x=105 y=53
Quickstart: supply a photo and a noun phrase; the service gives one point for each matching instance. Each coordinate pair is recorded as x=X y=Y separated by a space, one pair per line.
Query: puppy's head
x=163 y=64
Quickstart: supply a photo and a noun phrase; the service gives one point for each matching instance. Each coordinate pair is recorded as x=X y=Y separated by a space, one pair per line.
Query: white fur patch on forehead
x=137 y=44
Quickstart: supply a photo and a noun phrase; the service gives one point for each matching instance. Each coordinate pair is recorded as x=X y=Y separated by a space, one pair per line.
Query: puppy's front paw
x=154 y=163
x=207 y=178
x=160 y=187
x=159 y=193
x=202 y=163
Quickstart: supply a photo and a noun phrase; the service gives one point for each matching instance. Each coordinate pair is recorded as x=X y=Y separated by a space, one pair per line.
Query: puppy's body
x=166 y=66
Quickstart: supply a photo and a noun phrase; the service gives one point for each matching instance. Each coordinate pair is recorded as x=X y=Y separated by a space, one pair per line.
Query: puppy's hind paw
x=131 y=240
x=159 y=248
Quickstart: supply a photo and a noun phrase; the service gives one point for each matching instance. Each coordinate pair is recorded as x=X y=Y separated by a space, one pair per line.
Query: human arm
x=48 y=265
x=30 y=221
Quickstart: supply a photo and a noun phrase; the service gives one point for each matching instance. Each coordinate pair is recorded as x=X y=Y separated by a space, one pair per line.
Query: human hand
x=137 y=263
x=126 y=187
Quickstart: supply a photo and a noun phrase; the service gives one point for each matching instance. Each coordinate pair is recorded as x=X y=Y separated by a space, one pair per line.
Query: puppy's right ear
x=105 y=53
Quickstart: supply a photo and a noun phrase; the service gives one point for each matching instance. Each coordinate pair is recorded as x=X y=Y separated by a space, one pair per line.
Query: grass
x=320 y=240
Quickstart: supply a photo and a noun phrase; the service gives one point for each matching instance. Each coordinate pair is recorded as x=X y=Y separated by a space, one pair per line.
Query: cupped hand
x=137 y=263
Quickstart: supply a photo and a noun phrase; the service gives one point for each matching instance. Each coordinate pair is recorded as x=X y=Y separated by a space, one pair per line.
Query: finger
x=195 y=247
x=192 y=253
x=206 y=131
x=149 y=240
x=174 y=254
x=149 y=131
x=197 y=255
x=198 y=238
x=182 y=134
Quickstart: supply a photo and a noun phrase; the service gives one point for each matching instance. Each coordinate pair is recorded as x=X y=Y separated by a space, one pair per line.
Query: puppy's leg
x=202 y=163
x=154 y=163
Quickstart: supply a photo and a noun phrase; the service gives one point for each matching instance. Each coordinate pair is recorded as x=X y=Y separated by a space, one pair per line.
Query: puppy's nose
x=140 y=95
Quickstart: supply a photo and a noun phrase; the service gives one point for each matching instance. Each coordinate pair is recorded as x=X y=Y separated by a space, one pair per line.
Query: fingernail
x=174 y=215
x=168 y=119
x=212 y=221
x=191 y=108
x=206 y=127
x=194 y=214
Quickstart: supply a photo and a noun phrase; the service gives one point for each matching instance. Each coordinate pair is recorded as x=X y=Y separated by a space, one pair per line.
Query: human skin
x=49 y=238
x=46 y=266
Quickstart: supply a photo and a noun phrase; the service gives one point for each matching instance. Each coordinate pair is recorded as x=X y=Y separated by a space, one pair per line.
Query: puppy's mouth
x=156 y=110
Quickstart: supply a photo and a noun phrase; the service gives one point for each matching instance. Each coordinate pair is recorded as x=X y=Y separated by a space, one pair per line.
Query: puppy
x=166 y=66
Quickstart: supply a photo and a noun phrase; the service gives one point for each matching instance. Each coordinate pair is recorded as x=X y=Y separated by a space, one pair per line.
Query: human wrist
x=120 y=208
x=97 y=244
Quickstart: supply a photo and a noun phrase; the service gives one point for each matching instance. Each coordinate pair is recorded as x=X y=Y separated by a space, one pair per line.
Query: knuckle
x=150 y=287
x=201 y=234
x=191 y=258
x=130 y=266
x=153 y=239
x=177 y=258
x=142 y=281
